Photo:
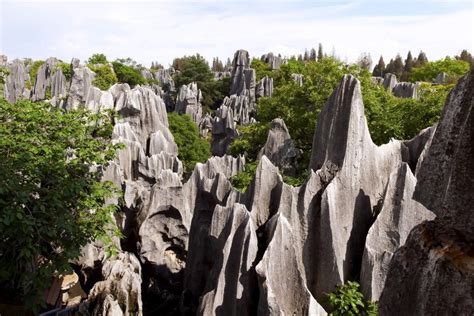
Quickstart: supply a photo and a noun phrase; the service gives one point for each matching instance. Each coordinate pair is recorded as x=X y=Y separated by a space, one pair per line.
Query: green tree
x=320 y=52
x=465 y=56
x=397 y=67
x=104 y=76
x=420 y=60
x=262 y=69
x=408 y=67
x=52 y=201
x=196 y=69
x=379 y=69
x=347 y=300
x=128 y=71
x=428 y=72
x=191 y=147
x=97 y=59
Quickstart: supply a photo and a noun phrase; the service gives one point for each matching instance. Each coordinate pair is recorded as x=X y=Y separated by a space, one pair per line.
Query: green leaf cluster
x=191 y=147
x=453 y=67
x=96 y=59
x=51 y=198
x=242 y=180
x=104 y=76
x=196 y=69
x=65 y=68
x=347 y=300
x=126 y=72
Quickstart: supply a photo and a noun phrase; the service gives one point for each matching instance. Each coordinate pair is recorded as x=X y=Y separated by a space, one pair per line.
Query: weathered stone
x=398 y=215
x=15 y=83
x=189 y=102
x=442 y=78
x=389 y=81
x=231 y=285
x=264 y=87
x=433 y=273
x=280 y=148
x=274 y=61
x=356 y=172
x=405 y=90
x=223 y=130
x=120 y=292
x=81 y=84
x=42 y=89
x=298 y=78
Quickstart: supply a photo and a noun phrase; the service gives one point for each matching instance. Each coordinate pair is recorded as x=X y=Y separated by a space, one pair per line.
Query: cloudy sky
x=161 y=30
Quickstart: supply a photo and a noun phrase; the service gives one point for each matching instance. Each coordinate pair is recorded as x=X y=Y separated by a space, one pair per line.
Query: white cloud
x=163 y=30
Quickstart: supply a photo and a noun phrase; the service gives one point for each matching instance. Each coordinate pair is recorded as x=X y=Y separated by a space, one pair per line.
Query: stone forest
x=268 y=185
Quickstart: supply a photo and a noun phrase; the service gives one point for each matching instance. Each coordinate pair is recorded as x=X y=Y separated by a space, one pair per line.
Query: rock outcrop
x=298 y=78
x=280 y=148
x=389 y=81
x=189 y=102
x=405 y=90
x=433 y=272
x=264 y=87
x=274 y=61
x=15 y=83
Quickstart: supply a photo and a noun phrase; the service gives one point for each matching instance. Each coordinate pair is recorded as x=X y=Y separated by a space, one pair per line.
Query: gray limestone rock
x=205 y=126
x=15 y=83
x=356 y=172
x=398 y=215
x=389 y=81
x=442 y=78
x=433 y=272
x=79 y=89
x=43 y=80
x=189 y=102
x=223 y=130
x=377 y=80
x=279 y=275
x=231 y=285
x=264 y=87
x=274 y=61
x=120 y=292
x=280 y=148
x=243 y=77
x=405 y=90
x=298 y=78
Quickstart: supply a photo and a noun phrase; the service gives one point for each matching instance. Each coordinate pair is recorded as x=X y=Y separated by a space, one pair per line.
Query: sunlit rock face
x=433 y=272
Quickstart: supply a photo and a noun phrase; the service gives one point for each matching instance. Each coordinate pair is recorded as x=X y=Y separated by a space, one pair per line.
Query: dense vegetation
x=196 y=69
x=191 y=147
x=347 y=300
x=52 y=202
x=388 y=116
x=127 y=72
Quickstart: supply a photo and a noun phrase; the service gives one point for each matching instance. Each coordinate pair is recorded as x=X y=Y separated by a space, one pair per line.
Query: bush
x=34 y=70
x=52 y=202
x=65 y=68
x=191 y=147
x=97 y=59
x=428 y=72
x=242 y=180
x=105 y=76
x=128 y=74
x=348 y=300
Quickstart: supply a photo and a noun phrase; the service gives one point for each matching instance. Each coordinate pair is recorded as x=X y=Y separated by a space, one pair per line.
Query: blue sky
x=161 y=30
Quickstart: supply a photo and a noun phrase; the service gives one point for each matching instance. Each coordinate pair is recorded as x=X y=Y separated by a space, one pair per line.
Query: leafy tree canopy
x=128 y=71
x=191 y=147
x=52 y=201
x=453 y=67
x=105 y=76
x=97 y=59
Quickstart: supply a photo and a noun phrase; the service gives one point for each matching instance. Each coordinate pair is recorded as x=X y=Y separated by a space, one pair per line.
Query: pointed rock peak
x=445 y=178
x=241 y=58
x=341 y=128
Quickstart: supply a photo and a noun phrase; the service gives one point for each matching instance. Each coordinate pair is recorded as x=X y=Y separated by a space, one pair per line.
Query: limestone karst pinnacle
x=203 y=247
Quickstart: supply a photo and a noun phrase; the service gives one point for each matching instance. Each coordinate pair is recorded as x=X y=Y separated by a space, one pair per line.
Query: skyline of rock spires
x=196 y=245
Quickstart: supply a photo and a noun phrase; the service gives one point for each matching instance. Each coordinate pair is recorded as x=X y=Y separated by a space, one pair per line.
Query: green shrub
x=97 y=59
x=191 y=147
x=51 y=201
x=347 y=300
x=242 y=180
x=65 y=68
x=128 y=74
x=262 y=69
x=105 y=76
x=34 y=70
x=428 y=72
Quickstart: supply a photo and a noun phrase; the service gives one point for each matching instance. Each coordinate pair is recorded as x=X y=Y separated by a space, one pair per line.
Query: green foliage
x=127 y=71
x=348 y=300
x=297 y=180
x=262 y=69
x=250 y=138
x=52 y=201
x=196 y=69
x=105 y=76
x=65 y=68
x=191 y=147
x=428 y=72
x=4 y=72
x=97 y=59
x=242 y=180
x=34 y=70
